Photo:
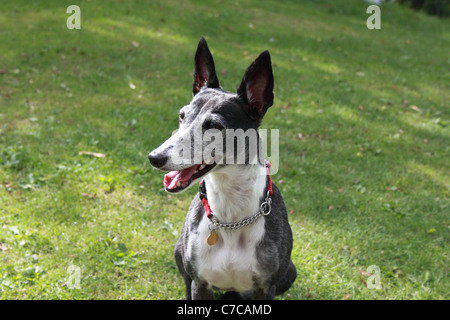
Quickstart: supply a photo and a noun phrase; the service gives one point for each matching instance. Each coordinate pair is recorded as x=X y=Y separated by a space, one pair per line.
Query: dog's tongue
x=173 y=177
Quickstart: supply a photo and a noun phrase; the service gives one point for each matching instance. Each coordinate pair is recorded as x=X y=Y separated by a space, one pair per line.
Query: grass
x=364 y=143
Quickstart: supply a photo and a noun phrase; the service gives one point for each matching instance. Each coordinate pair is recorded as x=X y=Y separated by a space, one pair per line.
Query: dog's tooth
x=195 y=171
x=201 y=167
x=179 y=184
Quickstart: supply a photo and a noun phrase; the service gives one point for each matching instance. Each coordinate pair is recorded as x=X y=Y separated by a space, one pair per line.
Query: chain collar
x=264 y=208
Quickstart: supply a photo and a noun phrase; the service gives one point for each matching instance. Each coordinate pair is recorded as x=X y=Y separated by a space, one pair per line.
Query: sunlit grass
x=364 y=143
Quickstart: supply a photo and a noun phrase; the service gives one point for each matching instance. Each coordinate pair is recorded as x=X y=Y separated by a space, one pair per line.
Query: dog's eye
x=210 y=124
x=181 y=116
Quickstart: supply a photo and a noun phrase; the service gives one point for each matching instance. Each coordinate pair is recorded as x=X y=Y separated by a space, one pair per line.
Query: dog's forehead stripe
x=208 y=98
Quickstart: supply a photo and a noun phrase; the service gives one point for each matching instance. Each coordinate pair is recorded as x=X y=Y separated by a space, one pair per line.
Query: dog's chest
x=230 y=264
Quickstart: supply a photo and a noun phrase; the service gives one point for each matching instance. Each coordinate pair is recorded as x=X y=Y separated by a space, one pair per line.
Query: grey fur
x=273 y=254
x=243 y=110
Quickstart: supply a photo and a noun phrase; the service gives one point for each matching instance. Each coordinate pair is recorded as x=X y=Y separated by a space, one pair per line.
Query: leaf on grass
x=364 y=282
x=415 y=108
x=88 y=195
x=93 y=154
x=364 y=273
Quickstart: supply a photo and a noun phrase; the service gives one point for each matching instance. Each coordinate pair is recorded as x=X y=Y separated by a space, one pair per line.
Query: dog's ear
x=205 y=71
x=256 y=88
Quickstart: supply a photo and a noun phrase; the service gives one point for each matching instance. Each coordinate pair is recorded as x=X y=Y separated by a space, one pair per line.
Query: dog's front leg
x=200 y=290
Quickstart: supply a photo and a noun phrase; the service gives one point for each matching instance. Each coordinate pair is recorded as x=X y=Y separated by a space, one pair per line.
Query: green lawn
x=364 y=142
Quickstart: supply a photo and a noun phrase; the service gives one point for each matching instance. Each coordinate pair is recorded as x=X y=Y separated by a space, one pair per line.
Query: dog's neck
x=235 y=192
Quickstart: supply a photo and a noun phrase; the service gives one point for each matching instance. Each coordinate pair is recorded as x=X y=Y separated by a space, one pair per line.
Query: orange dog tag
x=213 y=237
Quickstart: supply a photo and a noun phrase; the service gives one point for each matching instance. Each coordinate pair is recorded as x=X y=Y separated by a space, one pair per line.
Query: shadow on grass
x=339 y=85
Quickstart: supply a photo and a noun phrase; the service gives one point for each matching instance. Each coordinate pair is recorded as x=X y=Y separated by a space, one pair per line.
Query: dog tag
x=213 y=237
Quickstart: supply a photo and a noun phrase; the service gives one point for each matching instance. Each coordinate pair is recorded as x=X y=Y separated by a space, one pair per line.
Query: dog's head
x=191 y=152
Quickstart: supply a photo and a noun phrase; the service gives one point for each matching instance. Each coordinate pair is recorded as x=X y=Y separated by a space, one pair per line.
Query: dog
x=236 y=236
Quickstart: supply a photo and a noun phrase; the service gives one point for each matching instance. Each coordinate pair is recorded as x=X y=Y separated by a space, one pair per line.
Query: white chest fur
x=231 y=263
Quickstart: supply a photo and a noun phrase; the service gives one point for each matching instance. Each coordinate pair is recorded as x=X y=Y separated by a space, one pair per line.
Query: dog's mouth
x=176 y=181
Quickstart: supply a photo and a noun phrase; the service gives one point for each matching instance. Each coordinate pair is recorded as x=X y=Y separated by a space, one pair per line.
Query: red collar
x=204 y=197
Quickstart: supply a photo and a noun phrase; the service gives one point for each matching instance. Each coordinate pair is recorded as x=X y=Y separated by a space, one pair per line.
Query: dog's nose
x=157 y=159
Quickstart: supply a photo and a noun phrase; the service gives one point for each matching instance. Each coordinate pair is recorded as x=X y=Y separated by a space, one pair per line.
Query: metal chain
x=264 y=210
